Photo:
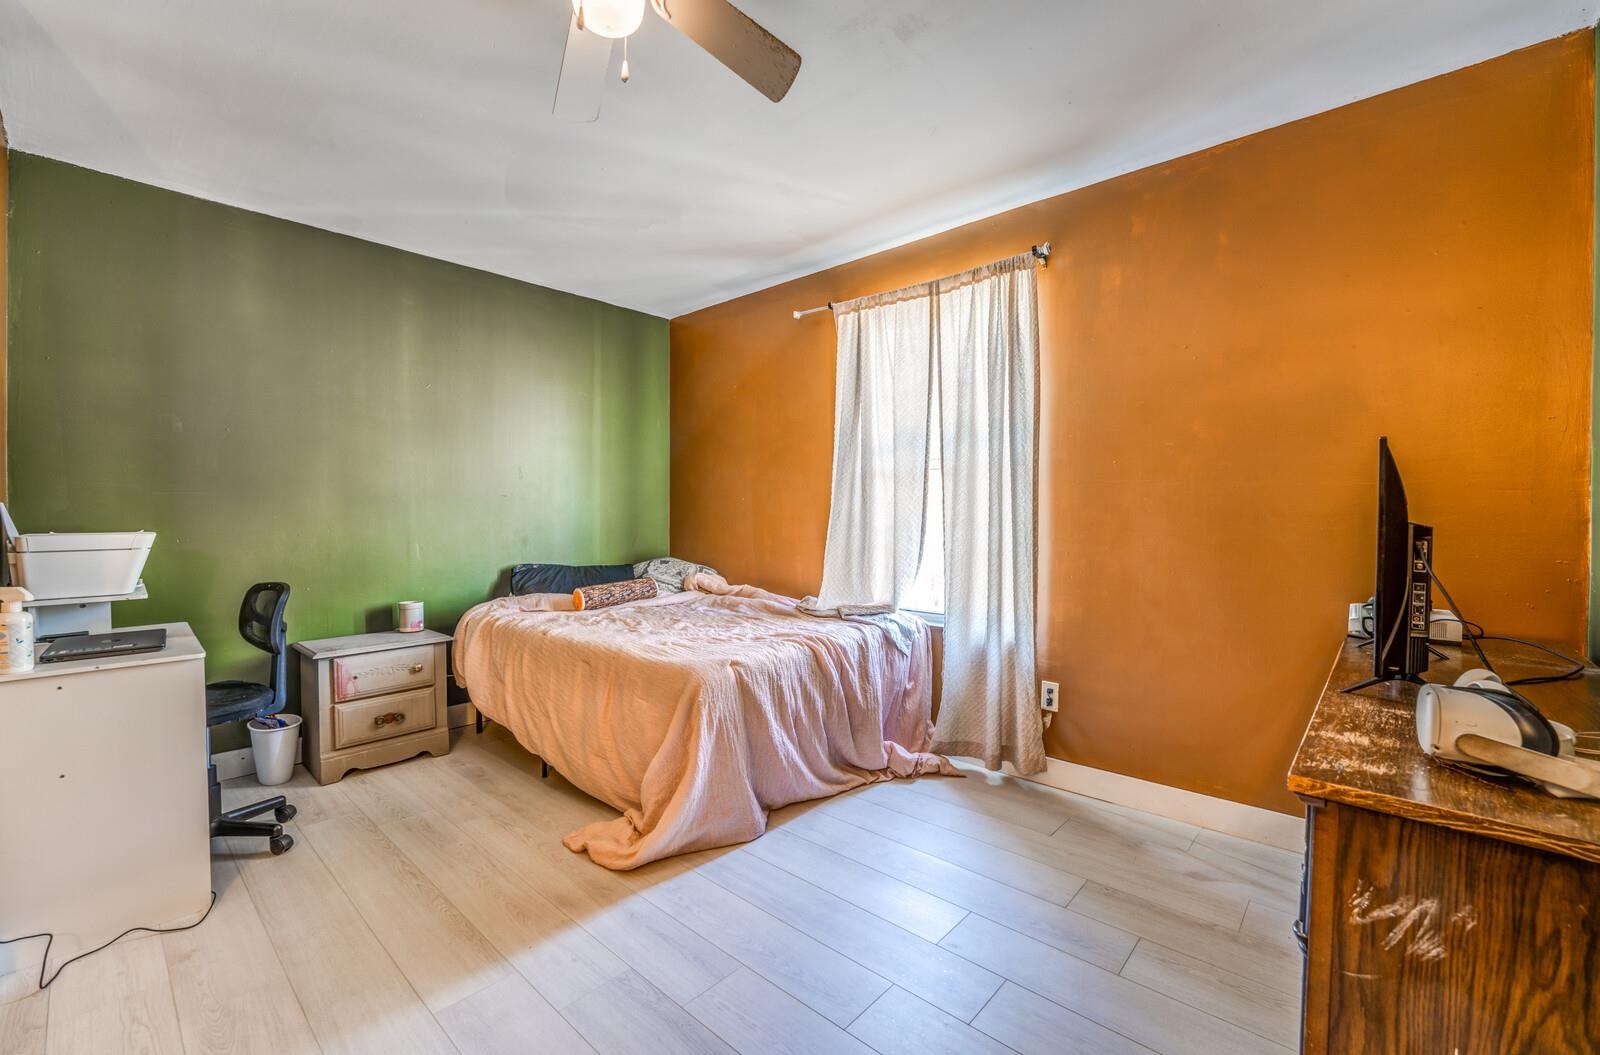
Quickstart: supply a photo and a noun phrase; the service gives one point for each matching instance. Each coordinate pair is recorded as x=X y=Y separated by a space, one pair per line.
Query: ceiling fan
x=732 y=37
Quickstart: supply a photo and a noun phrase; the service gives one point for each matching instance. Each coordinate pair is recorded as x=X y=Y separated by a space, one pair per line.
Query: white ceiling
x=425 y=124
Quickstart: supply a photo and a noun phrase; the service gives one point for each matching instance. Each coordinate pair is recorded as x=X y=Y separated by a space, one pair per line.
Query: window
x=927 y=590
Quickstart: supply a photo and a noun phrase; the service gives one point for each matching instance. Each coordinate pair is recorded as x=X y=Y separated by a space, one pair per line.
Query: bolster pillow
x=604 y=595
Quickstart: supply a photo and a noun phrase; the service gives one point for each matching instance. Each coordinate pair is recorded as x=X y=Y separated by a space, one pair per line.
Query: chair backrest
x=261 y=623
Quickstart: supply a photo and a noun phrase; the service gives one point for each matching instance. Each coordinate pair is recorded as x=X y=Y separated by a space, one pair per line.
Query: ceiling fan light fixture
x=609 y=18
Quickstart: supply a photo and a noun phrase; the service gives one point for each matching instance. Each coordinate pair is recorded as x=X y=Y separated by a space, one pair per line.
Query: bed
x=695 y=713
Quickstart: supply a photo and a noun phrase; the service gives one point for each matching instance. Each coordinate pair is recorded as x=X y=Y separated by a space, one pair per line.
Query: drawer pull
x=416 y=668
x=392 y=718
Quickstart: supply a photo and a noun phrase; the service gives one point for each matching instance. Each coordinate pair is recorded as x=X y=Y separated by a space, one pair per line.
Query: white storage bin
x=80 y=564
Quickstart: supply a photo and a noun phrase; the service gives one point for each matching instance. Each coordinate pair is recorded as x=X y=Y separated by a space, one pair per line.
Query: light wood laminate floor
x=429 y=906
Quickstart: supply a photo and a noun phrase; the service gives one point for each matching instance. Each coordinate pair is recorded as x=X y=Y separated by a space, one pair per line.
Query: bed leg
x=544 y=769
x=478 y=720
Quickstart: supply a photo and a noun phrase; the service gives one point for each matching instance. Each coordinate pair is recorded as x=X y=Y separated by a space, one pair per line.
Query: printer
x=74 y=576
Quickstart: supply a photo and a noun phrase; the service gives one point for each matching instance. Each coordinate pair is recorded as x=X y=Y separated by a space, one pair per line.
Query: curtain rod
x=1040 y=251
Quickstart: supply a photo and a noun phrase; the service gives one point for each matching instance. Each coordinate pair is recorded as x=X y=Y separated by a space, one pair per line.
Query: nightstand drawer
x=378 y=672
x=379 y=719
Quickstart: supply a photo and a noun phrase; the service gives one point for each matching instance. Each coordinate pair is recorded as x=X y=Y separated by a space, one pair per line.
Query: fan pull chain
x=580 y=15
x=625 y=73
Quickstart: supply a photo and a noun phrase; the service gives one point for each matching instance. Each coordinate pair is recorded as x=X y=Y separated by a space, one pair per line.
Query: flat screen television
x=1403 y=598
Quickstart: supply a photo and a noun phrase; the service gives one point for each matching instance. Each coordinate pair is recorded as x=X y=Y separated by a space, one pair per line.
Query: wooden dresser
x=372 y=699
x=1443 y=912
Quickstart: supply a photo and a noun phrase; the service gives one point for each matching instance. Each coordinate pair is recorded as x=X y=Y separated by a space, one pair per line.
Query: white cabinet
x=104 y=819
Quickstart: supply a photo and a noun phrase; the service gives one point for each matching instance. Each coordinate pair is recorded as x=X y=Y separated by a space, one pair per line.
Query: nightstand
x=372 y=699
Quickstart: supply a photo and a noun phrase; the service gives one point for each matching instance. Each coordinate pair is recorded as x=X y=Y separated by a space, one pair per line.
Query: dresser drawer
x=364 y=721
x=378 y=672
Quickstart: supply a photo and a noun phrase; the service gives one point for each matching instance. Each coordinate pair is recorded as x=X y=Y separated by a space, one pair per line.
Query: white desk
x=103 y=807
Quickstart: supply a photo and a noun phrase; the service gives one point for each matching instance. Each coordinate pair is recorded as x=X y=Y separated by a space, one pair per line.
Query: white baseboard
x=232 y=765
x=1205 y=811
x=242 y=763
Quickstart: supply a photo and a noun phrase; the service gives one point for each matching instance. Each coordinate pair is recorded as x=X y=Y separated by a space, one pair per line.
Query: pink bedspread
x=695 y=714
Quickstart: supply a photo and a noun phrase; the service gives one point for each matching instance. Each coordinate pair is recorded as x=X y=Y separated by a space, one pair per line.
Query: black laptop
x=101 y=646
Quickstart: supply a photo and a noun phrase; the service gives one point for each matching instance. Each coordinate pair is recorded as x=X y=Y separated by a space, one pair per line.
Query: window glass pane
x=927 y=590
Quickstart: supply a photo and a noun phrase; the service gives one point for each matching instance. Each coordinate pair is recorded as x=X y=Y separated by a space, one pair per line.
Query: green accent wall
x=279 y=402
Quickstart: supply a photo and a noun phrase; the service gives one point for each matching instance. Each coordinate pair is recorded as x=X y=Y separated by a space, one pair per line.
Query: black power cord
x=50 y=938
x=1578 y=665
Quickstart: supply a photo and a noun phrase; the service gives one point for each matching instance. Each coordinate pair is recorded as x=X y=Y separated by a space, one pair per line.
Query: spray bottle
x=16 y=631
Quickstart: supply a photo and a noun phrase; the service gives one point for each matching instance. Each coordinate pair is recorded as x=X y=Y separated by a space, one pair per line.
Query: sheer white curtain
x=949 y=365
x=882 y=417
x=988 y=362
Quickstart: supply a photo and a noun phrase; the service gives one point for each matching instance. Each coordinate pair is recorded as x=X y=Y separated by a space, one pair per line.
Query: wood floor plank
x=1053 y=924
x=23 y=1024
x=1031 y=1025
x=1125 y=1007
x=1148 y=827
x=1270 y=961
x=1004 y=798
x=1266 y=885
x=906 y=906
x=982 y=788
x=900 y=1024
x=313 y=802
x=1285 y=864
x=24 y=981
x=629 y=1016
x=826 y=981
x=355 y=997
x=509 y=1018
x=231 y=992
x=116 y=1000
x=384 y=794
x=440 y=952
x=1261 y=1009
x=1123 y=860
x=936 y=975
x=756 y=1017
x=554 y=802
x=558 y=957
x=1274 y=926
x=923 y=823
x=672 y=957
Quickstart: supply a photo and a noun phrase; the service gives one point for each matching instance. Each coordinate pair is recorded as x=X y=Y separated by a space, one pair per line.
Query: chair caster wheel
x=285 y=813
x=279 y=844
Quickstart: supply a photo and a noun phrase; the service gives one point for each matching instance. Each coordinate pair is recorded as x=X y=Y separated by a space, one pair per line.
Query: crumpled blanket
x=695 y=713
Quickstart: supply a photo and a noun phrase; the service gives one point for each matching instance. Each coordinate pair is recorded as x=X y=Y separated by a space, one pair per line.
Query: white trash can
x=274 y=747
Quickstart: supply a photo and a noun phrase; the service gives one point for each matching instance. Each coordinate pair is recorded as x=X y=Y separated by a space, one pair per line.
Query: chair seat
x=235 y=701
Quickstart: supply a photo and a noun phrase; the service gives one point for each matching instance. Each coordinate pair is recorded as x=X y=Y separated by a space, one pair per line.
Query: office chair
x=260 y=623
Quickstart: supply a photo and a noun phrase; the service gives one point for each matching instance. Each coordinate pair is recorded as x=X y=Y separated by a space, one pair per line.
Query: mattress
x=694 y=714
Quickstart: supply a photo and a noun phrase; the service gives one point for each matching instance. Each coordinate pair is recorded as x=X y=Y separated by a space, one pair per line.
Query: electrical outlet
x=1049 y=696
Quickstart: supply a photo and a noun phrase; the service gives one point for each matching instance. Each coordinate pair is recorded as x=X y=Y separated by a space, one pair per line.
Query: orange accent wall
x=1224 y=338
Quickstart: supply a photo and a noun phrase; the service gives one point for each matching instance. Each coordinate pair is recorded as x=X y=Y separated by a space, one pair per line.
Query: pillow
x=564 y=578
x=668 y=572
x=545 y=602
x=607 y=594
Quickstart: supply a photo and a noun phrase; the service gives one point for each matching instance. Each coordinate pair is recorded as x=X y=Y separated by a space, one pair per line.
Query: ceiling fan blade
x=583 y=75
x=734 y=39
